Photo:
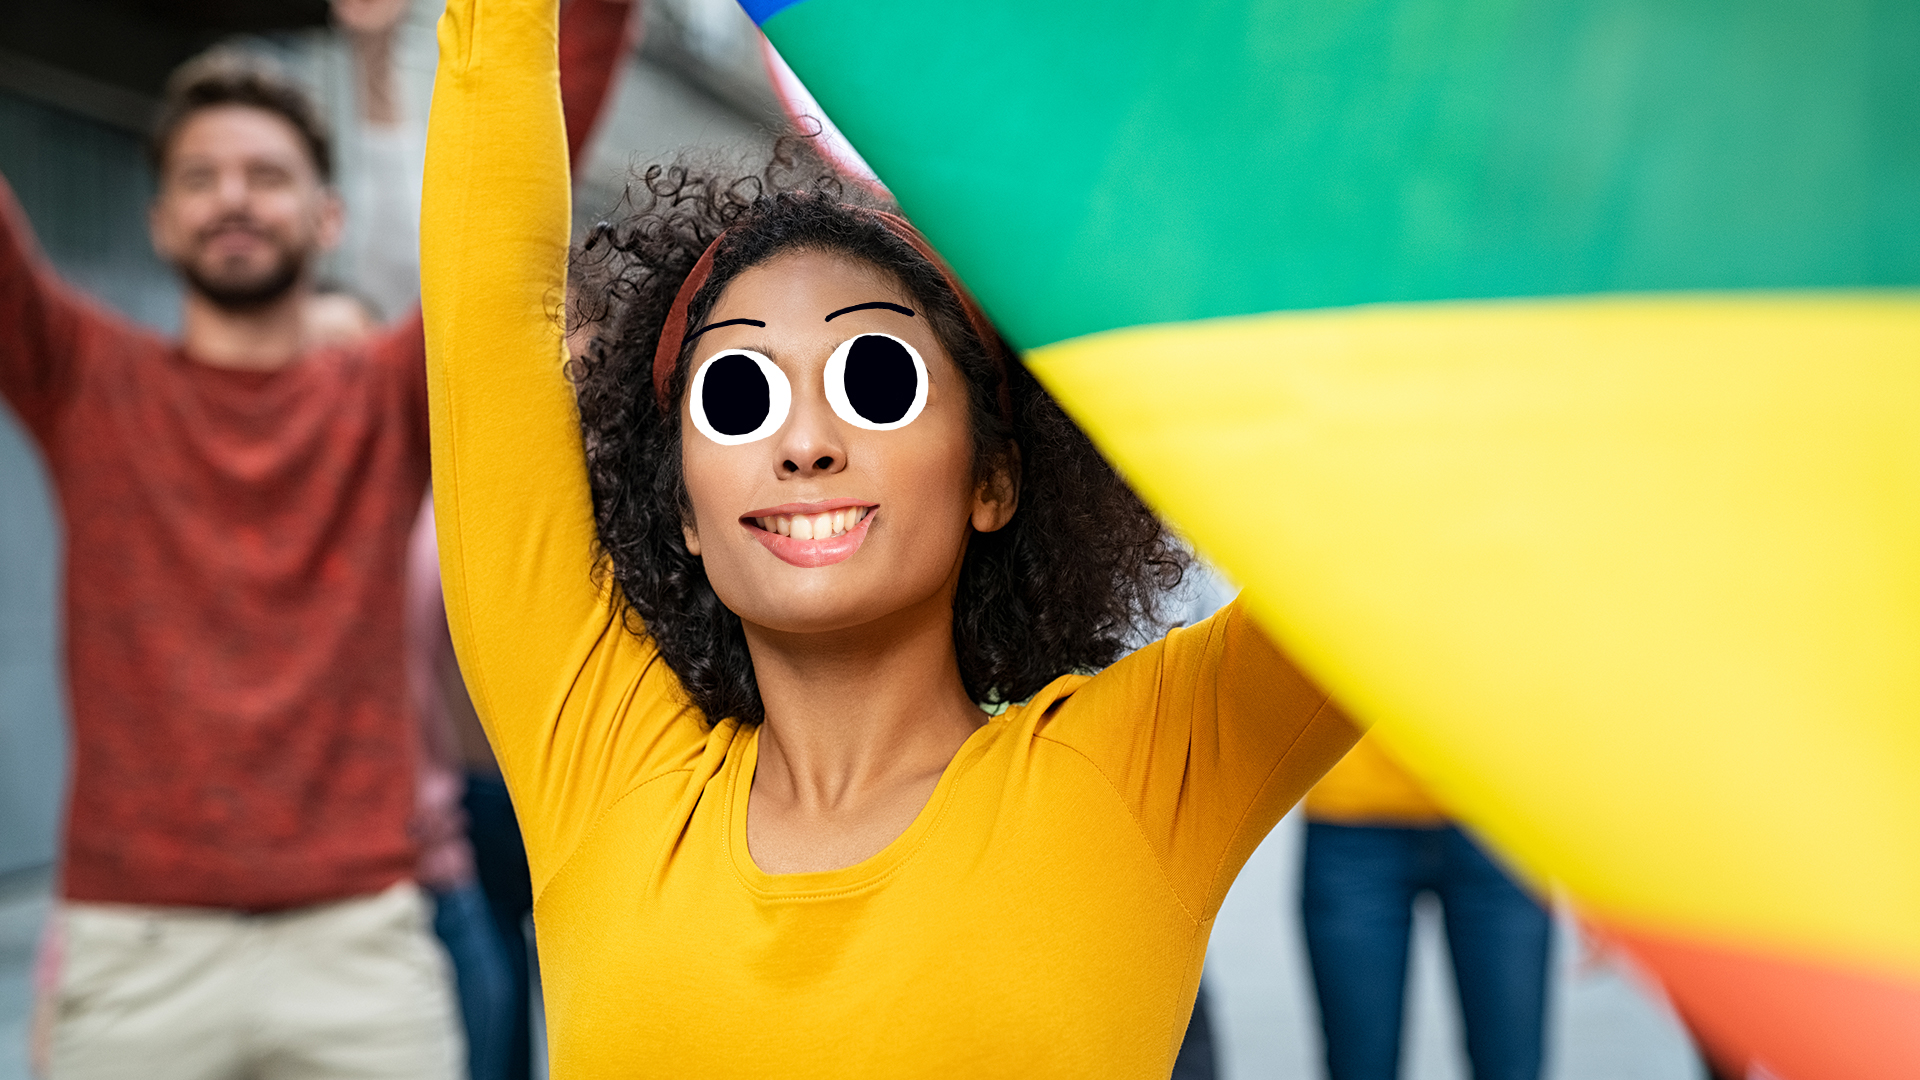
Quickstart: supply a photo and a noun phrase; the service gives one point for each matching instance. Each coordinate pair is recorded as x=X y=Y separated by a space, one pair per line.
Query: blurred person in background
x=480 y=875
x=382 y=273
x=1376 y=841
x=237 y=874
x=237 y=870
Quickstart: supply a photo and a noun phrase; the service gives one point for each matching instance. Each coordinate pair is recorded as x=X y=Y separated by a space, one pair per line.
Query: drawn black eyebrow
x=907 y=311
x=727 y=322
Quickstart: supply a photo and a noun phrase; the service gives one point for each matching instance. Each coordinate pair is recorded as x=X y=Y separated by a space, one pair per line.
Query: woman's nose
x=810 y=443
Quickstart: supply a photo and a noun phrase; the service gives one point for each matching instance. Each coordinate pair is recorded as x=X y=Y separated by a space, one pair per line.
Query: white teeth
x=815 y=526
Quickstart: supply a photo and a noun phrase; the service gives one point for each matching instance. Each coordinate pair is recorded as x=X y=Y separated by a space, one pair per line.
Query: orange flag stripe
x=1797 y=1018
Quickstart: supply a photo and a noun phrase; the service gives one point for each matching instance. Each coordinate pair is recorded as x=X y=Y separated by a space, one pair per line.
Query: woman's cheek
x=935 y=488
x=708 y=490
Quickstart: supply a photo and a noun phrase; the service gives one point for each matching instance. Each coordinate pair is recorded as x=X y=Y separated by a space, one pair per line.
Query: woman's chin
x=836 y=608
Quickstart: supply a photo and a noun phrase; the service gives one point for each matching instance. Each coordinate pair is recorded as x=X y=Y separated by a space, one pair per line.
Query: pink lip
x=805 y=508
x=810 y=554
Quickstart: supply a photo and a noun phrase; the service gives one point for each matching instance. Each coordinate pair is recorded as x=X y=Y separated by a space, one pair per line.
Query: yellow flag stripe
x=1632 y=582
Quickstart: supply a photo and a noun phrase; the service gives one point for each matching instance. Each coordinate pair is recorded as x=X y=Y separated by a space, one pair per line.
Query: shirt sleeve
x=41 y=319
x=578 y=708
x=1208 y=736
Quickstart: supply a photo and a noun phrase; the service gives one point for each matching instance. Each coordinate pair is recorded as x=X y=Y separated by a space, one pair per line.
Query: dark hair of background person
x=1075 y=574
x=231 y=77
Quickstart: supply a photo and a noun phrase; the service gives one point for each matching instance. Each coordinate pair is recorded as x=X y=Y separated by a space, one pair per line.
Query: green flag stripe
x=1090 y=165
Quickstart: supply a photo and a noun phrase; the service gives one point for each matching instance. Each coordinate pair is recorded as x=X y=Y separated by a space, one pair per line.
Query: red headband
x=667 y=353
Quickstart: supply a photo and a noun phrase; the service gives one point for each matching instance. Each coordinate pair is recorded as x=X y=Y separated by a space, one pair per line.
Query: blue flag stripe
x=762 y=10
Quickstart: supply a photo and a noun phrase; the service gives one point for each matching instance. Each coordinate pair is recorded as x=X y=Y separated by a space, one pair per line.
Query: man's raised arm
x=40 y=322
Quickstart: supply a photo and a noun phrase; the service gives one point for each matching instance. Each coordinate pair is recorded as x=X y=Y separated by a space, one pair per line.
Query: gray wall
x=85 y=187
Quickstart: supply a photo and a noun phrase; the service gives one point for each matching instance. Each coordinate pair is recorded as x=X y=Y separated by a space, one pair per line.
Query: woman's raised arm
x=541 y=651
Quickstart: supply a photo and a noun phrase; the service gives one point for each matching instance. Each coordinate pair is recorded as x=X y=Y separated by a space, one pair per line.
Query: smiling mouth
x=822 y=526
x=229 y=229
x=813 y=540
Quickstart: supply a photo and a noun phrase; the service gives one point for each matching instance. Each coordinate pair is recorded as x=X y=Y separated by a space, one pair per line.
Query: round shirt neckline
x=827 y=884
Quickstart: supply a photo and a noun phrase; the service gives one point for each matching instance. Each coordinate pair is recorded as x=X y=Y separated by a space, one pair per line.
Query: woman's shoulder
x=1051 y=698
x=1168 y=675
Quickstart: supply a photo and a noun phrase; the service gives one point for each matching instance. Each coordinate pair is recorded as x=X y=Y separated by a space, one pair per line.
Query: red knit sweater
x=235 y=548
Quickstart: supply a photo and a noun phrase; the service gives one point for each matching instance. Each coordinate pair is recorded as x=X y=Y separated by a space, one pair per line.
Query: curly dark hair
x=1066 y=585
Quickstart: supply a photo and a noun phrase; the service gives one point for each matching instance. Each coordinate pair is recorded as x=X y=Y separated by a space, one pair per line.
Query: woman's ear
x=691 y=536
x=998 y=496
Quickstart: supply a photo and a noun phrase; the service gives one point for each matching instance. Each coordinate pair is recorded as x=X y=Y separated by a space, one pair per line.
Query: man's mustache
x=233 y=223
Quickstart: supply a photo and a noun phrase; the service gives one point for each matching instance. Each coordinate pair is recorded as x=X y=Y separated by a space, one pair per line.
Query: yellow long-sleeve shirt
x=1045 y=915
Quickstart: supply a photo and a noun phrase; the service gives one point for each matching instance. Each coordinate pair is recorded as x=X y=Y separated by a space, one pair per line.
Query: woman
x=770 y=829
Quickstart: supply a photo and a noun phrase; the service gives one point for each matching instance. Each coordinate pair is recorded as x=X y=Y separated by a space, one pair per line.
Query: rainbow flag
x=1548 y=372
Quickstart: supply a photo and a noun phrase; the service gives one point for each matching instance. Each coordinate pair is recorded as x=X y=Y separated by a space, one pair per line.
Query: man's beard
x=251 y=292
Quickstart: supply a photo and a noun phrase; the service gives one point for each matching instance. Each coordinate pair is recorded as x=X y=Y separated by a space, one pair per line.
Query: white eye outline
x=836 y=380
x=779 y=399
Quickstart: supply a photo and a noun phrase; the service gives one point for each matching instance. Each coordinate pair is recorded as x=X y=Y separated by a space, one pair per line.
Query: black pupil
x=735 y=395
x=881 y=379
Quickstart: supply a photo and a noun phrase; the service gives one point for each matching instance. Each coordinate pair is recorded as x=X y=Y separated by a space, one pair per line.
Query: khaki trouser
x=358 y=988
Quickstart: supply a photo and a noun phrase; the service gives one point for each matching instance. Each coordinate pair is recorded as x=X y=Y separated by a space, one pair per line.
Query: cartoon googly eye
x=739 y=396
x=877 y=382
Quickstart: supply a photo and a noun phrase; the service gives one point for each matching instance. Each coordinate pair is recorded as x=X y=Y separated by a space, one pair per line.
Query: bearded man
x=236 y=877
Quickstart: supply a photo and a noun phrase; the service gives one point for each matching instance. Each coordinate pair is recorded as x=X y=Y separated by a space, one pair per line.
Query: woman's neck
x=860 y=726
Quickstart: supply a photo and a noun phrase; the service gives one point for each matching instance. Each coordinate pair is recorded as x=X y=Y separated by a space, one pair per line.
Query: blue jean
x=482 y=974
x=1195 y=1061
x=501 y=861
x=1358 y=888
